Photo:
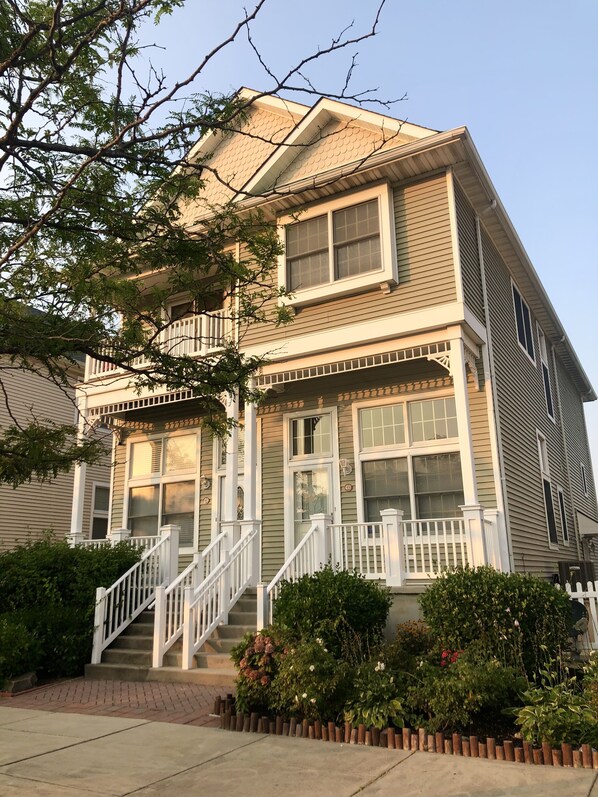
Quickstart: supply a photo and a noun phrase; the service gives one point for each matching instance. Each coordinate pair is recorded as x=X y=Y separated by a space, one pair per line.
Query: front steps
x=129 y=657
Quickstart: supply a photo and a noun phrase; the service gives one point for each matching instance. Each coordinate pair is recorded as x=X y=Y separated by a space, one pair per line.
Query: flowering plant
x=449 y=657
x=310 y=682
x=376 y=699
x=257 y=660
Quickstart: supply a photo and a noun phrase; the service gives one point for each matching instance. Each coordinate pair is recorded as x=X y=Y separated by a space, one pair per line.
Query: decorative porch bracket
x=444 y=359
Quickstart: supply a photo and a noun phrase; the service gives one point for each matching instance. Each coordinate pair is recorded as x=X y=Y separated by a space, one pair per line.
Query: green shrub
x=49 y=589
x=256 y=658
x=376 y=699
x=519 y=619
x=338 y=606
x=463 y=692
x=19 y=649
x=311 y=682
x=412 y=643
x=557 y=711
x=50 y=572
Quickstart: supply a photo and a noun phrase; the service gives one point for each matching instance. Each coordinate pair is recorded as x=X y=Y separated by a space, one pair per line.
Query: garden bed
x=513 y=750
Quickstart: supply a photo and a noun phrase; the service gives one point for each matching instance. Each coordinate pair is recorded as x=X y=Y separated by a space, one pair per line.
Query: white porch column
x=250 y=459
x=496 y=541
x=474 y=525
x=170 y=566
x=80 y=472
x=394 y=548
x=231 y=482
x=322 y=540
x=459 y=374
x=118 y=535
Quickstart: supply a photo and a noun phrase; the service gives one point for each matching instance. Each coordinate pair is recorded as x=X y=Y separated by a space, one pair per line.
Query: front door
x=311 y=496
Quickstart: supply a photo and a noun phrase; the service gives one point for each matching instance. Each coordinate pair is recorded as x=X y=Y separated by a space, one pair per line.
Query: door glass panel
x=311 y=436
x=311 y=496
x=179 y=509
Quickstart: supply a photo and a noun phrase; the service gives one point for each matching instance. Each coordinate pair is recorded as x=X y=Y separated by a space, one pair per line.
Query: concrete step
x=118 y=672
x=132 y=642
x=127 y=657
x=139 y=629
x=231 y=631
x=238 y=617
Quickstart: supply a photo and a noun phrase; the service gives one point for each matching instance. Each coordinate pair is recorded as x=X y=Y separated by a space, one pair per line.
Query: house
x=425 y=375
x=33 y=510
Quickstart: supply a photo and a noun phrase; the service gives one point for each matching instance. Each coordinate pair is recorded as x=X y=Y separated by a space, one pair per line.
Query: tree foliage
x=96 y=167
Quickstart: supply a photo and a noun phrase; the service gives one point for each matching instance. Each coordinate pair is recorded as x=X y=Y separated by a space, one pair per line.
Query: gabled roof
x=330 y=133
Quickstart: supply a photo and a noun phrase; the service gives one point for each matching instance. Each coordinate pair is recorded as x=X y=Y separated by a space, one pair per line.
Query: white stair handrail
x=208 y=606
x=117 y=606
x=304 y=560
x=170 y=600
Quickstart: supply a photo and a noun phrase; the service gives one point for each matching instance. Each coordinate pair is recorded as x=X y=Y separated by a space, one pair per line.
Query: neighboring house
x=30 y=511
x=425 y=370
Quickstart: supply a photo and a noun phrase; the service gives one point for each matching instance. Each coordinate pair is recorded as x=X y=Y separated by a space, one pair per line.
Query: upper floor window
x=524 y=324
x=584 y=479
x=547 y=490
x=338 y=247
x=545 y=373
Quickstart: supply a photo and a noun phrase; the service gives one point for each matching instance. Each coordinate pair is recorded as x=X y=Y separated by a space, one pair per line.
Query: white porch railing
x=170 y=600
x=113 y=538
x=587 y=596
x=394 y=550
x=133 y=592
x=432 y=546
x=196 y=336
x=208 y=606
x=310 y=555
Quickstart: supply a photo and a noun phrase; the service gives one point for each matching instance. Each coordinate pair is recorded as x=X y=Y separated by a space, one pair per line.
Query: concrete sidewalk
x=46 y=754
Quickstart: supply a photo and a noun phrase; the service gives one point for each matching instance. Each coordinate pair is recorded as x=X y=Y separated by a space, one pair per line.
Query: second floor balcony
x=192 y=336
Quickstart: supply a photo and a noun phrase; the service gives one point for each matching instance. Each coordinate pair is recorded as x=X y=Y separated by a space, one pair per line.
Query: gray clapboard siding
x=425 y=263
x=468 y=254
x=522 y=411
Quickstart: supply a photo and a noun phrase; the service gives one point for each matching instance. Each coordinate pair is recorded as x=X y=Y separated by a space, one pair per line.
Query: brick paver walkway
x=186 y=704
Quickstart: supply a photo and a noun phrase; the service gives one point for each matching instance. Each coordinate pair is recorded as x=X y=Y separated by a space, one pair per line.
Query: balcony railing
x=195 y=336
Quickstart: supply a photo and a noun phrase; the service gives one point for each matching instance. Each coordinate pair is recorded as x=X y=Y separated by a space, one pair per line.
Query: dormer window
x=340 y=247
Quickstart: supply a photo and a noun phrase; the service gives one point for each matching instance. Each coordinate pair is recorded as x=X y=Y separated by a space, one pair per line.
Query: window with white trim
x=563 y=514
x=162 y=485
x=221 y=445
x=584 y=479
x=339 y=246
x=542 y=348
x=523 y=321
x=100 y=504
x=409 y=459
x=547 y=490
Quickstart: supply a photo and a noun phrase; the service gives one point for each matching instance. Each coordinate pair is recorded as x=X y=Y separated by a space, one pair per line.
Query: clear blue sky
x=523 y=77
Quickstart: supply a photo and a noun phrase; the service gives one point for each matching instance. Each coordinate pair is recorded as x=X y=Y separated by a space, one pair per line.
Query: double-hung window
x=545 y=372
x=409 y=459
x=339 y=247
x=162 y=485
x=523 y=322
x=547 y=490
x=99 y=511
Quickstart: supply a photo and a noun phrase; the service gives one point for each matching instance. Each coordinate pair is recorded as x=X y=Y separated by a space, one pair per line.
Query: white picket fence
x=587 y=596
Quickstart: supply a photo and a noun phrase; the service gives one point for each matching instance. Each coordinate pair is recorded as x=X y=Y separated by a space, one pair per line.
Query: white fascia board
x=388 y=328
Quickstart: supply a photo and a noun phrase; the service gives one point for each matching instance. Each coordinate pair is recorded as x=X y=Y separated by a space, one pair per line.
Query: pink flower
x=269 y=647
x=259 y=644
x=265 y=680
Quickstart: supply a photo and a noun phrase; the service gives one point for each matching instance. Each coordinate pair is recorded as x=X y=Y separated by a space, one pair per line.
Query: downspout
x=493 y=410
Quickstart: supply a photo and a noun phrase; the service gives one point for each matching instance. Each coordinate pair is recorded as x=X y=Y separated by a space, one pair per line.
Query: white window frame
x=560 y=496
x=291 y=465
x=531 y=323
x=545 y=372
x=584 y=480
x=408 y=450
x=544 y=463
x=388 y=273
x=161 y=478
x=99 y=513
